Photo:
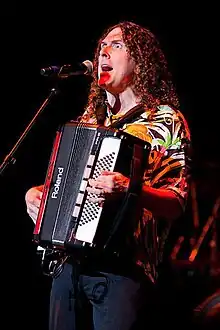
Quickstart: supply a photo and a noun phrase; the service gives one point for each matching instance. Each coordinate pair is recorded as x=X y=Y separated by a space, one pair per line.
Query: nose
x=105 y=51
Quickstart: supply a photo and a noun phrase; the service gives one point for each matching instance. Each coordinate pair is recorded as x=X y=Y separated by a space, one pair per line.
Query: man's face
x=115 y=66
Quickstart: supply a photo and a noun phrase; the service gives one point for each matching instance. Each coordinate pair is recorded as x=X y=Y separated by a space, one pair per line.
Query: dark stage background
x=38 y=36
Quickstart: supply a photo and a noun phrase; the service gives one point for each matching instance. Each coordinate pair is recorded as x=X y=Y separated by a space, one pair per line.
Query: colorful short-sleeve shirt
x=168 y=134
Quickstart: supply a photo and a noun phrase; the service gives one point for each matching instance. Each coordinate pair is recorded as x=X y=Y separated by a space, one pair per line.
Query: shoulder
x=165 y=111
x=167 y=117
x=88 y=116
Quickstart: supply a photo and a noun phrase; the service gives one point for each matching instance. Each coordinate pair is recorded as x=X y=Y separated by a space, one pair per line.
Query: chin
x=104 y=79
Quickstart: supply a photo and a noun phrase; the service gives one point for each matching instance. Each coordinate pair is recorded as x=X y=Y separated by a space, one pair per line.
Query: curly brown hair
x=152 y=81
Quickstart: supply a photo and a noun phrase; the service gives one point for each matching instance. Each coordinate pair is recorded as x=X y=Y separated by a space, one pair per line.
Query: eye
x=102 y=45
x=117 y=45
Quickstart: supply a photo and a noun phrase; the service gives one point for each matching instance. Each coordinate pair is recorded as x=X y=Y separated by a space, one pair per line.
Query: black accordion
x=67 y=220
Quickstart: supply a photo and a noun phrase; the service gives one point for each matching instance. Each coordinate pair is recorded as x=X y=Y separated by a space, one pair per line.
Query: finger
x=32 y=209
x=33 y=212
x=96 y=200
x=99 y=180
x=37 y=200
x=93 y=190
x=107 y=188
x=108 y=173
x=107 y=185
x=92 y=182
x=33 y=196
x=33 y=218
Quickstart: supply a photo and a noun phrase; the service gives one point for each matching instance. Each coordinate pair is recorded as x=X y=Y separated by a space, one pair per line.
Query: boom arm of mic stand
x=10 y=157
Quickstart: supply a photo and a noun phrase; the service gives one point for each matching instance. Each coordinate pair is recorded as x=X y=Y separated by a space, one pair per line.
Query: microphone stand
x=64 y=73
x=10 y=159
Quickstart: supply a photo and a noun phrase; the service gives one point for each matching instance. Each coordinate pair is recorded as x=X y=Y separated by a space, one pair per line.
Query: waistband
x=114 y=264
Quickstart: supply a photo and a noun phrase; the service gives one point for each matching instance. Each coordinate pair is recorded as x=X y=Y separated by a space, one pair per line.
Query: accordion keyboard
x=91 y=212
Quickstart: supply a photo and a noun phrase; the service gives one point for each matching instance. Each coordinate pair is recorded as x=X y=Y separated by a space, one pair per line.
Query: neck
x=123 y=102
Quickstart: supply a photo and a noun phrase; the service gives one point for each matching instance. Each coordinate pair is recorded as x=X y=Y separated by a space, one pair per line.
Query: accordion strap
x=130 y=209
x=126 y=216
x=129 y=116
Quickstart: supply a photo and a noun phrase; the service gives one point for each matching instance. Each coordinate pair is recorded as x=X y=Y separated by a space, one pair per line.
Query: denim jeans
x=115 y=301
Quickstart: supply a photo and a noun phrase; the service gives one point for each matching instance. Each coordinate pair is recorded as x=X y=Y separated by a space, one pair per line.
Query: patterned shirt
x=168 y=134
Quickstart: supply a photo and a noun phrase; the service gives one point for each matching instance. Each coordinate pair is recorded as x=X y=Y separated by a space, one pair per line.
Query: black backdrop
x=37 y=36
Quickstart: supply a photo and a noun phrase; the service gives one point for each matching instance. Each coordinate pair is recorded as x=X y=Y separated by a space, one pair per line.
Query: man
x=129 y=70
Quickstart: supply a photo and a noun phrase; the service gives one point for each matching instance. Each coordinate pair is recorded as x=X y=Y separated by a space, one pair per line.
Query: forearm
x=161 y=202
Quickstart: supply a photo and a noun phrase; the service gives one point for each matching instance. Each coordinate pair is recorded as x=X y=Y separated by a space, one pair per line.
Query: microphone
x=66 y=70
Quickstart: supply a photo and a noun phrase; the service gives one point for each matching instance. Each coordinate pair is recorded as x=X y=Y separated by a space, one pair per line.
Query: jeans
x=115 y=302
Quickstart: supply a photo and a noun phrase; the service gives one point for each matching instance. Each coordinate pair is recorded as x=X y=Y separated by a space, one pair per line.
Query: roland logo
x=56 y=187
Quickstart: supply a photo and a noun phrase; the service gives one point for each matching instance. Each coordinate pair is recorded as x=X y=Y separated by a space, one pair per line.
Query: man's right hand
x=33 y=199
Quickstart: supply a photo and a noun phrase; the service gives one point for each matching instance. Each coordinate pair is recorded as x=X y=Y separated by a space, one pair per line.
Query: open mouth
x=106 y=68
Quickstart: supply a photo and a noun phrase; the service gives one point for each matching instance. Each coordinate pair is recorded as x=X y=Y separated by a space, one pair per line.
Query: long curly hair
x=152 y=81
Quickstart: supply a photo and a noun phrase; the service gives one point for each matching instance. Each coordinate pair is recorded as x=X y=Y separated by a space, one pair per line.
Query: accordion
x=67 y=219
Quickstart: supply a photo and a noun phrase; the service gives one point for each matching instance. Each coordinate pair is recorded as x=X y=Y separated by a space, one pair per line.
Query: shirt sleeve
x=169 y=164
